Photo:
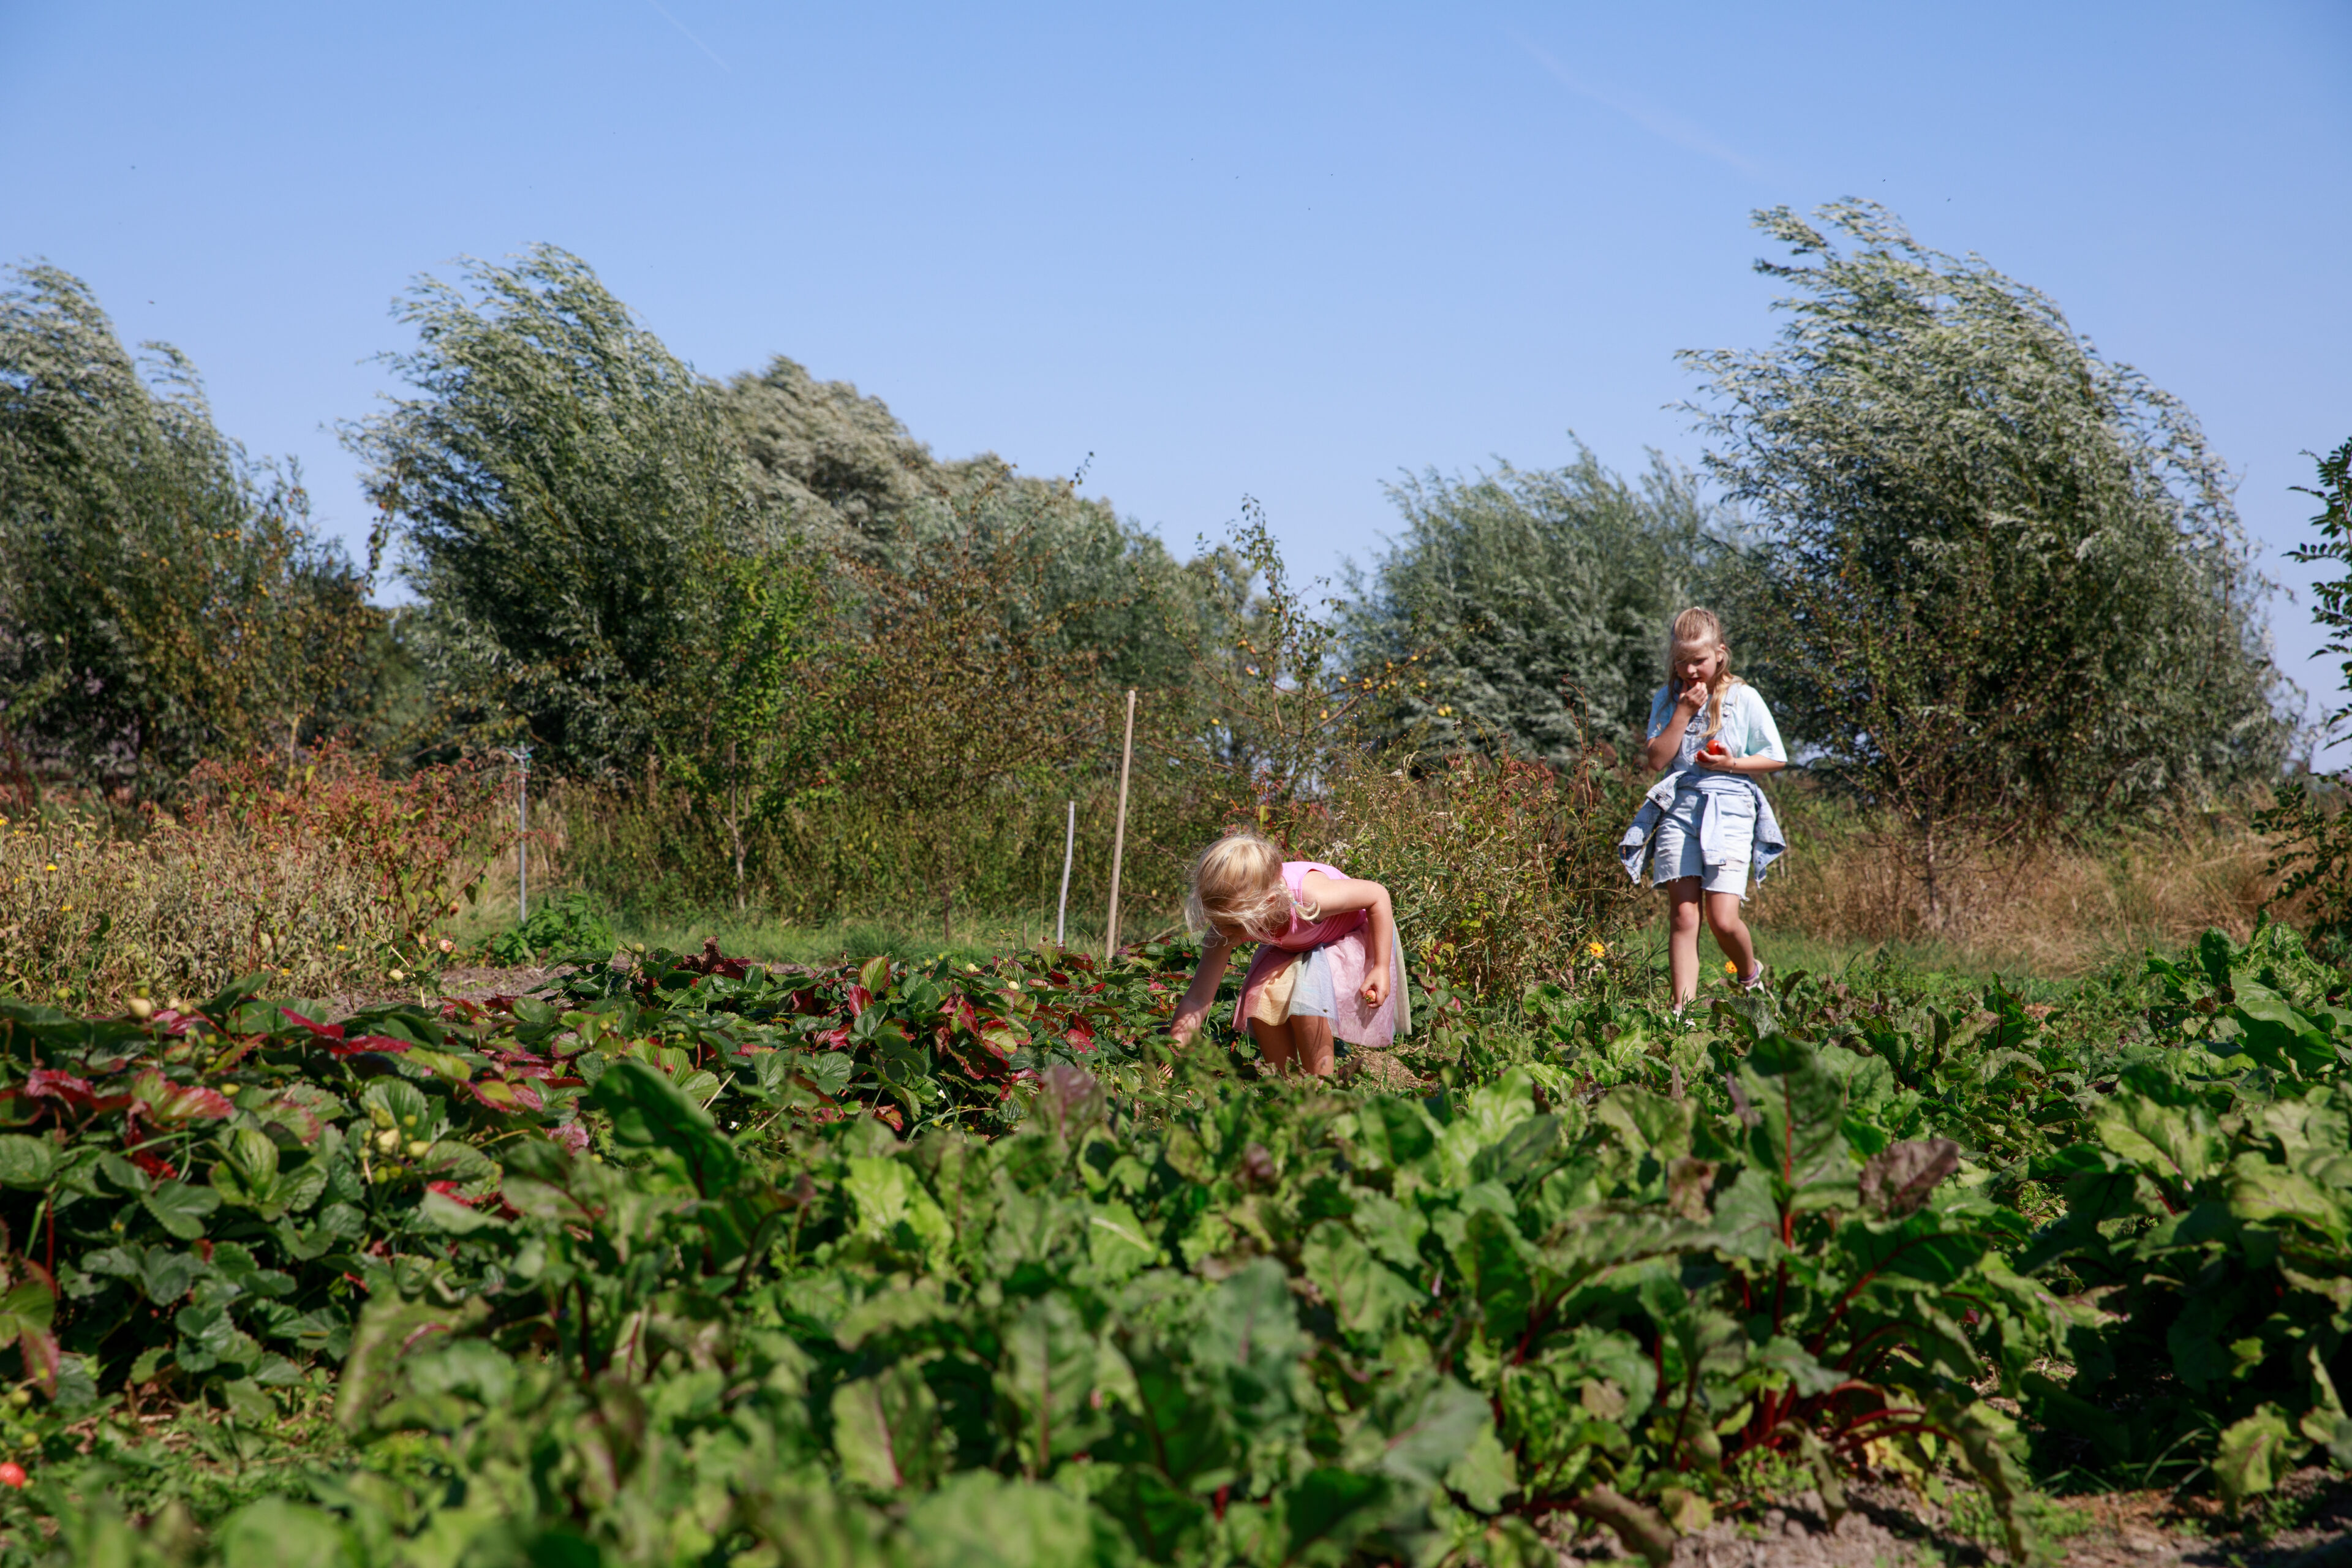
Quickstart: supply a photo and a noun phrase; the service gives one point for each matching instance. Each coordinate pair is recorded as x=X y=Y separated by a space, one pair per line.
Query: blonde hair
x=1237 y=882
x=1697 y=628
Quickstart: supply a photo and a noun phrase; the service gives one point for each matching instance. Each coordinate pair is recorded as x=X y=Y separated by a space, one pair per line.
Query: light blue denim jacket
x=1711 y=787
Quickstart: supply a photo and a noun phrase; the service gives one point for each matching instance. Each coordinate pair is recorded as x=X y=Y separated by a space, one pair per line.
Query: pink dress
x=1338 y=943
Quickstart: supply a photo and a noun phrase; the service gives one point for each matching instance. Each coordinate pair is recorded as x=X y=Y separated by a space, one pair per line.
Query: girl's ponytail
x=1697 y=628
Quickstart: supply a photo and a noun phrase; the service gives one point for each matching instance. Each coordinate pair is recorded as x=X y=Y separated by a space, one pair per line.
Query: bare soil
x=464 y=983
x=1889 y=1525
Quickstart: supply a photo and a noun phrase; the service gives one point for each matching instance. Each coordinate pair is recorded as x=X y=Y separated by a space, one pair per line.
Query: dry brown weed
x=2057 y=908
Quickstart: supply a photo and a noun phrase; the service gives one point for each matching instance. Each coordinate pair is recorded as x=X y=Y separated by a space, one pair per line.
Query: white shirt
x=1747 y=728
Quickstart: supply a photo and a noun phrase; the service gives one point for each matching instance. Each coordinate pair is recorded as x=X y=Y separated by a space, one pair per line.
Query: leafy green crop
x=562 y=928
x=687 y=1262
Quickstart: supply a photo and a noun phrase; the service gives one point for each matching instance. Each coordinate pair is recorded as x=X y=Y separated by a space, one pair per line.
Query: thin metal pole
x=522 y=843
x=1069 y=845
x=1118 y=833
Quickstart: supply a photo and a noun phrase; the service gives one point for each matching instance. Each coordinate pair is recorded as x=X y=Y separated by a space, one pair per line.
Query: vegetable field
x=682 y=1261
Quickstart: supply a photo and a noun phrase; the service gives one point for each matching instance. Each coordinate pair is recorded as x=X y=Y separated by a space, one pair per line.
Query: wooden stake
x=1118 y=833
x=1069 y=844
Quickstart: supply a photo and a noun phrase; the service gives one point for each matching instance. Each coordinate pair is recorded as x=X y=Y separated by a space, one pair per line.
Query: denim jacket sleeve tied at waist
x=1712 y=788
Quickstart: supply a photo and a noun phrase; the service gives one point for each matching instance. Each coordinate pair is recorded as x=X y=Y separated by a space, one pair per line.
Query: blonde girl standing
x=1328 y=960
x=1706 y=823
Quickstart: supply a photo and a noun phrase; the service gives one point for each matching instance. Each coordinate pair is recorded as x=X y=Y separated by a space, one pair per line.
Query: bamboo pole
x=1069 y=845
x=1118 y=833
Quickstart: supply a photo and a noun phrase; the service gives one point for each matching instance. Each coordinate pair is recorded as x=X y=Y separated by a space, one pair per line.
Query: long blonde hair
x=1237 y=882
x=1697 y=627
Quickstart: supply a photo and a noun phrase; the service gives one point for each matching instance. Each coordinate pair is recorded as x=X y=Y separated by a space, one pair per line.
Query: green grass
x=1783 y=951
x=753 y=934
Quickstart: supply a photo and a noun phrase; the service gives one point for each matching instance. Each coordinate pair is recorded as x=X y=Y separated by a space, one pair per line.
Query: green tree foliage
x=838 y=463
x=2332 y=600
x=739 y=731
x=940 y=710
x=852 y=477
x=565 y=490
x=1995 y=580
x=2312 y=831
x=162 y=599
x=1532 y=604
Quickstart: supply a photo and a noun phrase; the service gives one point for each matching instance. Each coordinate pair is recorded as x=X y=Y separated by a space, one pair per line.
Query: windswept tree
x=564 y=491
x=1994 y=580
x=1531 y=604
x=843 y=467
x=851 y=477
x=162 y=598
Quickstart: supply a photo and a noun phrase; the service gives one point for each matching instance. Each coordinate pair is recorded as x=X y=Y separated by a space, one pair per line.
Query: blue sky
x=1282 y=251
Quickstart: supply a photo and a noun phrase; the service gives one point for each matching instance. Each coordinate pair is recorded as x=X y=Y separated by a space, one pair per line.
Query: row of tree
x=1992 y=582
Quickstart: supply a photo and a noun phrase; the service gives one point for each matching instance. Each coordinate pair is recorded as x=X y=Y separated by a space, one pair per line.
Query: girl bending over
x=1328 y=960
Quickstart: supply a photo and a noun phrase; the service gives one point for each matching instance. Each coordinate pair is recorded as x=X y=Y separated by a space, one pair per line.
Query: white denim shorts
x=1675 y=853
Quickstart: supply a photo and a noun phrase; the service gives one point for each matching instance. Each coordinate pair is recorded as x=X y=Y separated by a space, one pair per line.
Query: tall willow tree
x=1532 y=604
x=567 y=494
x=1995 y=581
x=162 y=599
x=854 y=479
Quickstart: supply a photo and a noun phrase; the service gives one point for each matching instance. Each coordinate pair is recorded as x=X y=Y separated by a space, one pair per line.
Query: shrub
x=1503 y=873
x=324 y=878
x=558 y=928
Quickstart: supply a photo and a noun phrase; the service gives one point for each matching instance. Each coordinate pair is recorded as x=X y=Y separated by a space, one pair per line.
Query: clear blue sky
x=1277 y=250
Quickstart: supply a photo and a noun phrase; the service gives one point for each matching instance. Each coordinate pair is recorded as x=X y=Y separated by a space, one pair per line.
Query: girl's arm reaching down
x=1338 y=895
x=1216 y=952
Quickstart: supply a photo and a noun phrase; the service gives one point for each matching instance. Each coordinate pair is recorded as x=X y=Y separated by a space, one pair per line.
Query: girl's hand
x=1186 y=1025
x=1695 y=696
x=1719 y=761
x=1376 y=986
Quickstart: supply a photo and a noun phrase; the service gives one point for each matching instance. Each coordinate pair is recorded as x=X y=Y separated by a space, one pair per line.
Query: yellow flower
x=1597 y=949
x=50 y=866
x=1730 y=967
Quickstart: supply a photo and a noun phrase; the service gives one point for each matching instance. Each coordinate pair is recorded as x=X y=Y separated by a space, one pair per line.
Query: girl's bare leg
x=1313 y=1038
x=1302 y=1042
x=1272 y=1043
x=1682 y=937
x=1731 y=932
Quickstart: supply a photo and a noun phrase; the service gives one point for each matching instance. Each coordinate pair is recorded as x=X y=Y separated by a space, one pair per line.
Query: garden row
x=683 y=1261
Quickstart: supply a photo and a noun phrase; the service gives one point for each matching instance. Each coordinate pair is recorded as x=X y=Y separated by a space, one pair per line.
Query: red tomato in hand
x=1714 y=749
